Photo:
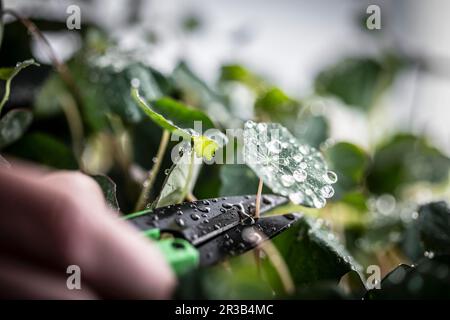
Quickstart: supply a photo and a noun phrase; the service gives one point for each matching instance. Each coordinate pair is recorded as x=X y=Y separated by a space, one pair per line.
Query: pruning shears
x=205 y=232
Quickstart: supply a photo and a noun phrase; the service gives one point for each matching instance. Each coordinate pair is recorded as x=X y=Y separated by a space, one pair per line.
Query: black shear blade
x=202 y=220
x=244 y=237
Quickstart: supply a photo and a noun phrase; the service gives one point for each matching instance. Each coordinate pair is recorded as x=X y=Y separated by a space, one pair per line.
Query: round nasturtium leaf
x=288 y=167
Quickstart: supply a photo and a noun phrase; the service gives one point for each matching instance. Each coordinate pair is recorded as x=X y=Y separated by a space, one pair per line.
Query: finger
x=26 y=168
x=41 y=213
x=116 y=260
x=128 y=265
x=22 y=281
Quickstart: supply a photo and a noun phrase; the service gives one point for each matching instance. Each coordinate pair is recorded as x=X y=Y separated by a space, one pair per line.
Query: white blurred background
x=289 y=42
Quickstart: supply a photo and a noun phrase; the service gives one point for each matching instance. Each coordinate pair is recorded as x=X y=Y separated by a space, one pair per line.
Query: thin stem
x=190 y=197
x=186 y=190
x=60 y=67
x=148 y=183
x=258 y=199
x=75 y=123
x=5 y=95
x=279 y=264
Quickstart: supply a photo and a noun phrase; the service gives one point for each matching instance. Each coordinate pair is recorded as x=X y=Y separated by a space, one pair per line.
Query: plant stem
x=186 y=190
x=190 y=197
x=279 y=264
x=5 y=95
x=148 y=183
x=258 y=199
x=75 y=123
x=60 y=67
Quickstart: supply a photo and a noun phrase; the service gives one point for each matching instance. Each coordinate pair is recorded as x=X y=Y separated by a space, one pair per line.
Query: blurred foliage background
x=374 y=102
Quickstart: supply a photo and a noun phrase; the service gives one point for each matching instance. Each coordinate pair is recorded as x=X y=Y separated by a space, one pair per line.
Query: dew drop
x=300 y=175
x=319 y=202
x=429 y=254
x=327 y=191
x=303 y=149
x=227 y=205
x=267 y=200
x=274 y=146
x=195 y=217
x=261 y=127
x=249 y=124
x=303 y=165
x=166 y=172
x=287 y=180
x=330 y=177
x=298 y=157
x=180 y=222
x=135 y=83
x=204 y=209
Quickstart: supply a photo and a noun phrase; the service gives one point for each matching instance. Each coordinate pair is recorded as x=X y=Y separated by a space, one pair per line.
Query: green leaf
x=238 y=73
x=195 y=91
x=180 y=119
x=13 y=125
x=403 y=160
x=356 y=81
x=109 y=189
x=103 y=75
x=180 y=180
x=288 y=167
x=429 y=279
x=44 y=149
x=47 y=102
x=7 y=74
x=350 y=163
x=237 y=179
x=191 y=23
x=434 y=227
x=312 y=129
x=313 y=253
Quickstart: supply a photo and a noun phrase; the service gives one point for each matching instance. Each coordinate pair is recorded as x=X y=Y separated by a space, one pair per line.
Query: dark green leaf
x=430 y=279
x=13 y=125
x=312 y=129
x=109 y=189
x=356 y=81
x=313 y=253
x=406 y=159
x=195 y=91
x=44 y=149
x=237 y=179
x=47 y=102
x=434 y=227
x=350 y=163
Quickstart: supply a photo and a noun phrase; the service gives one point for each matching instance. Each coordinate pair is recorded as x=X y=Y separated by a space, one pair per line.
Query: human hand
x=49 y=221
